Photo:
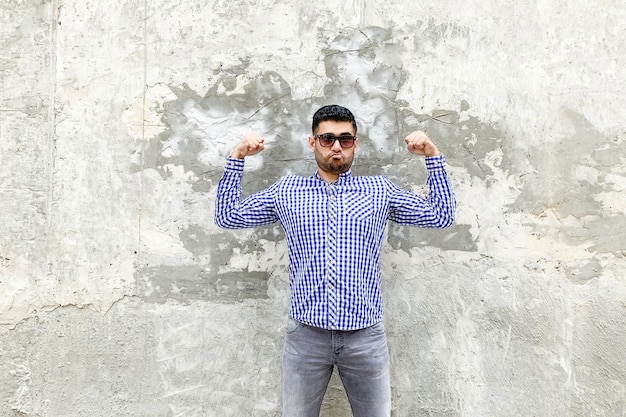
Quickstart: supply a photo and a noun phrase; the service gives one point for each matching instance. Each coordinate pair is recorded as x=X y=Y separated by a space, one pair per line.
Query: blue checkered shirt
x=334 y=234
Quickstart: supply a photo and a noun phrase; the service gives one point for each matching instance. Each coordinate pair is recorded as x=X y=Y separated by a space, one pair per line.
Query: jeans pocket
x=377 y=329
x=292 y=326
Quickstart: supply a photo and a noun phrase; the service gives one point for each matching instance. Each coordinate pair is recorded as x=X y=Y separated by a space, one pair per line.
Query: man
x=334 y=224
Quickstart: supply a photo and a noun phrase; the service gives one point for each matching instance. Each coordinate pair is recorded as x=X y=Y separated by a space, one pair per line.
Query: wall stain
x=569 y=177
x=185 y=283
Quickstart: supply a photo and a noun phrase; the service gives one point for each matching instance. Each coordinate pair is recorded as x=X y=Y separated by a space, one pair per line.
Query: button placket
x=331 y=255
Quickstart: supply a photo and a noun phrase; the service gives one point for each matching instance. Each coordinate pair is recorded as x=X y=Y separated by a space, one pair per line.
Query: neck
x=327 y=176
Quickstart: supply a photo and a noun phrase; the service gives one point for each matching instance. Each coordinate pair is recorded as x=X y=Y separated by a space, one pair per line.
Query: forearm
x=440 y=196
x=228 y=193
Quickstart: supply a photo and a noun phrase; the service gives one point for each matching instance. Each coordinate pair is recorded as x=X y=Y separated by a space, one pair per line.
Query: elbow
x=223 y=217
x=446 y=220
x=229 y=221
x=221 y=222
x=448 y=217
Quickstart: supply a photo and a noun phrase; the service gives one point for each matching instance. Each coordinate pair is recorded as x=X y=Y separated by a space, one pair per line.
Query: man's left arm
x=435 y=211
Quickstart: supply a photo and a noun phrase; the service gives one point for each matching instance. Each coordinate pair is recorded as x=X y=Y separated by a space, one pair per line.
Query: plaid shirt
x=334 y=234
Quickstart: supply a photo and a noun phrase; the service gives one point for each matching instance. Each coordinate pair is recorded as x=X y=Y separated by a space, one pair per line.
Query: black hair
x=333 y=112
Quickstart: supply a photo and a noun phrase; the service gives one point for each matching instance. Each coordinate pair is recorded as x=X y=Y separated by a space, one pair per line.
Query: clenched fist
x=251 y=144
x=419 y=144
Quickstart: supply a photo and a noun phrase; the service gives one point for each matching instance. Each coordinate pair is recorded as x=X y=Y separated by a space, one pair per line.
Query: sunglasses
x=328 y=139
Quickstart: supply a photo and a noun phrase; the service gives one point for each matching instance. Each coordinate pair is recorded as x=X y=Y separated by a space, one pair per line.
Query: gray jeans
x=361 y=358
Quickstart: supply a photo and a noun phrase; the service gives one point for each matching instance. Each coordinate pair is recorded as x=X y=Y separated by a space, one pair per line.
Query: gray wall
x=119 y=296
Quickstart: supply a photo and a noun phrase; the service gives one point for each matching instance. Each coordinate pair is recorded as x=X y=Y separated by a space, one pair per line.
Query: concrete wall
x=120 y=297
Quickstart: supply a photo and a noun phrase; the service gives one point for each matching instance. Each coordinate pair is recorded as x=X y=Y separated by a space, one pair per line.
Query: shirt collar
x=342 y=177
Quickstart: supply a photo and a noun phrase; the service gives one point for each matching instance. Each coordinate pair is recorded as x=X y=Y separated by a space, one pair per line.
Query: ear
x=312 y=143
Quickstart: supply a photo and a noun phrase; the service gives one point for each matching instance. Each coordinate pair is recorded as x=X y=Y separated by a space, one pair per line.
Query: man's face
x=333 y=160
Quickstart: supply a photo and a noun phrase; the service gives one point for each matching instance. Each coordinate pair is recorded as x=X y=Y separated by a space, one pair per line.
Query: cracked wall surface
x=119 y=296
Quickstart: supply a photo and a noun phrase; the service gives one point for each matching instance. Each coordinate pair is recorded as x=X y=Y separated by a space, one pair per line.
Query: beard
x=333 y=166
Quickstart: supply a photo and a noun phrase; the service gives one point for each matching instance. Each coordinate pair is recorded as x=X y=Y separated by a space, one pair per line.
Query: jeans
x=361 y=358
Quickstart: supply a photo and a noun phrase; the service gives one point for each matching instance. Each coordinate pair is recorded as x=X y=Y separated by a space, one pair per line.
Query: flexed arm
x=230 y=211
x=438 y=209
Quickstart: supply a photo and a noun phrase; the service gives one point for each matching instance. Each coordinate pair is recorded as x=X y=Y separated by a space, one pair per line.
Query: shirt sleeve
x=434 y=211
x=231 y=212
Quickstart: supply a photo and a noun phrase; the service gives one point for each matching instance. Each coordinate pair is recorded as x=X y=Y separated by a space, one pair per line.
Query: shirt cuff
x=435 y=162
x=234 y=164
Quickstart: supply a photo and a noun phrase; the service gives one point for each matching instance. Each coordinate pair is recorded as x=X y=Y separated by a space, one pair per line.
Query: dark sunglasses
x=328 y=139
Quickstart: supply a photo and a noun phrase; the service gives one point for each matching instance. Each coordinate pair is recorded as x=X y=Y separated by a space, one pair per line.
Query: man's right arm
x=230 y=211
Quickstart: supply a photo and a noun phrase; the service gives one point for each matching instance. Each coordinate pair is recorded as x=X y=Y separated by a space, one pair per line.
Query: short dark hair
x=333 y=112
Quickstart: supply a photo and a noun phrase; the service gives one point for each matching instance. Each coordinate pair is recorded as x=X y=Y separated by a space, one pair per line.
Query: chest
x=332 y=202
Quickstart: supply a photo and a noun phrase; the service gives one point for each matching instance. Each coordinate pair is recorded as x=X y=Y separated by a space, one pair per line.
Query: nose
x=336 y=145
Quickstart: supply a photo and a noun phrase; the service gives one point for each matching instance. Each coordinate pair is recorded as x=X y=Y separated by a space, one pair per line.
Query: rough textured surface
x=119 y=296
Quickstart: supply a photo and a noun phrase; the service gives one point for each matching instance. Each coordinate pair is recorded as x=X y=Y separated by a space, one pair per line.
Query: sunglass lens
x=346 y=141
x=327 y=141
